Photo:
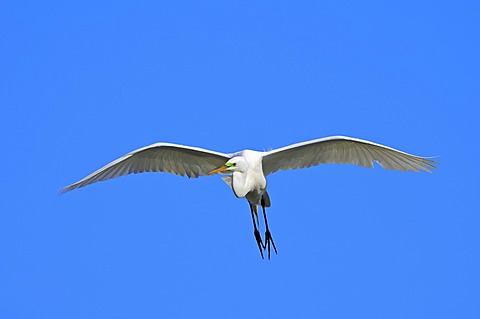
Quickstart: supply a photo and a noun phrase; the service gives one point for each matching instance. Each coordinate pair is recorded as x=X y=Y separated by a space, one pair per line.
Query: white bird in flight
x=245 y=171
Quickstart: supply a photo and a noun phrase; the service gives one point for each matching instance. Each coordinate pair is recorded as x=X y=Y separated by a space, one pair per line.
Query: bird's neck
x=252 y=182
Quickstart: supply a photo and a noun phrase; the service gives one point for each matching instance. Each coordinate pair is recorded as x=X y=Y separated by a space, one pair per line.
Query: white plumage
x=247 y=169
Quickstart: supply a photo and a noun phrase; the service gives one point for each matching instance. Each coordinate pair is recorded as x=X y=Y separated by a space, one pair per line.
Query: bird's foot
x=258 y=238
x=268 y=240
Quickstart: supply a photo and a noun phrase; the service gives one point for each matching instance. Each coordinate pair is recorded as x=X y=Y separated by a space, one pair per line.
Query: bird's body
x=247 y=170
x=249 y=182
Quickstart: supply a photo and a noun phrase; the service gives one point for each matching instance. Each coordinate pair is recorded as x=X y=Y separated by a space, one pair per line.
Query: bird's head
x=235 y=164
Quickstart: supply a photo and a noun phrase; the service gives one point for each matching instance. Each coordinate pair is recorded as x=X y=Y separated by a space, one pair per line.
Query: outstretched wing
x=159 y=157
x=342 y=150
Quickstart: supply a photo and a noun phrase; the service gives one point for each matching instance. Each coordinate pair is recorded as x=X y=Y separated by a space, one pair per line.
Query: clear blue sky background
x=83 y=83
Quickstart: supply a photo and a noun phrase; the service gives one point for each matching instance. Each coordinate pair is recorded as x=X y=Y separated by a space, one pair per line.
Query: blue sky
x=86 y=82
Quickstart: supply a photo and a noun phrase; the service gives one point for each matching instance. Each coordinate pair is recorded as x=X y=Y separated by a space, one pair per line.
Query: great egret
x=245 y=171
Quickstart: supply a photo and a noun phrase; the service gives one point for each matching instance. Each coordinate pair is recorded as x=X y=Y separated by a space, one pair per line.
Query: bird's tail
x=266 y=199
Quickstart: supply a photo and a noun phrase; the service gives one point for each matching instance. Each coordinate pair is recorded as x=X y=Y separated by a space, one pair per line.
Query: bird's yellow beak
x=218 y=170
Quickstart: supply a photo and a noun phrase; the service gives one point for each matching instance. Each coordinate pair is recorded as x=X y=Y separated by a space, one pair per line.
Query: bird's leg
x=268 y=235
x=255 y=210
x=256 y=233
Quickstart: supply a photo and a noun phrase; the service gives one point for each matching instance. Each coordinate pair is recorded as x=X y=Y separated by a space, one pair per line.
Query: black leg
x=256 y=233
x=268 y=235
